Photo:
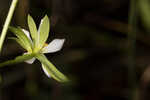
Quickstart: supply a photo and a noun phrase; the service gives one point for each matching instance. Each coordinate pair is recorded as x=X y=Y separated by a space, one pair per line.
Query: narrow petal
x=54 y=46
x=51 y=69
x=45 y=70
x=30 y=61
x=26 y=33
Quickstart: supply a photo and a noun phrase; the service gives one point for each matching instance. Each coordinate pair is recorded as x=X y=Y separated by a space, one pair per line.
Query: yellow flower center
x=45 y=44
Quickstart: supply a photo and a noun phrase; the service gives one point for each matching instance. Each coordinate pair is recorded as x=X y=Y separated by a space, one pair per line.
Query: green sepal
x=22 y=37
x=43 y=31
x=33 y=30
x=51 y=69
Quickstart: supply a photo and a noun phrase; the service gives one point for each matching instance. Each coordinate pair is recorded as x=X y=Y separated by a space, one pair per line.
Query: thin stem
x=18 y=59
x=131 y=49
x=7 y=22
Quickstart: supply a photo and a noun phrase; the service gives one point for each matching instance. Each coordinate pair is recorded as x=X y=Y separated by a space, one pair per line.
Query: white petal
x=40 y=25
x=26 y=33
x=45 y=70
x=54 y=46
x=30 y=61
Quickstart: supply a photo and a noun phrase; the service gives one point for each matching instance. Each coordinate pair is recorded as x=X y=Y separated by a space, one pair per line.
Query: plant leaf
x=51 y=69
x=33 y=30
x=22 y=37
x=43 y=31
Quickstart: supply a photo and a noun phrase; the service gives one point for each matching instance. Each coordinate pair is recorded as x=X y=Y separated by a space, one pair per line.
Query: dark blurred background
x=94 y=56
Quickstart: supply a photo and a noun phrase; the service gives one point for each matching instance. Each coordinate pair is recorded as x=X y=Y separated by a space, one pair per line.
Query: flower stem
x=7 y=22
x=18 y=59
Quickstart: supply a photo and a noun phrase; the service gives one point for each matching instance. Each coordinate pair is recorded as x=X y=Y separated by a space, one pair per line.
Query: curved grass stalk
x=7 y=22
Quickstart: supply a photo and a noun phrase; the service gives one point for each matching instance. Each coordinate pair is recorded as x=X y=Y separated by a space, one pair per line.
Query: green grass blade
x=43 y=31
x=33 y=30
x=51 y=69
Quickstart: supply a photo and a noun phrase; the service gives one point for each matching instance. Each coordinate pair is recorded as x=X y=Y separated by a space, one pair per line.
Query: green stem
x=7 y=22
x=18 y=59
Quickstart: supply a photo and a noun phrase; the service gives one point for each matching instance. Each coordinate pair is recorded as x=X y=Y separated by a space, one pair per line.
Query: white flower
x=38 y=39
x=52 y=47
x=34 y=42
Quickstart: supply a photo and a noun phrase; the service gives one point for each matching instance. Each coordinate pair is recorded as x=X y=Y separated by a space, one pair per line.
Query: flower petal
x=26 y=33
x=30 y=61
x=45 y=70
x=54 y=46
x=51 y=69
